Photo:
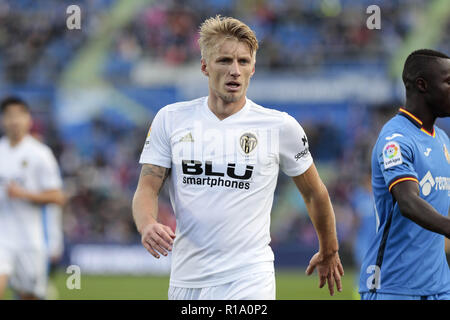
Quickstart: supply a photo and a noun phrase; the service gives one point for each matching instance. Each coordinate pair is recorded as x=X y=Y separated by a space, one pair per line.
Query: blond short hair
x=218 y=27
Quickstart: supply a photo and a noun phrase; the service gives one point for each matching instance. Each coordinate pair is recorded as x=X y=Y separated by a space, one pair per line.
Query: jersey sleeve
x=395 y=158
x=49 y=176
x=157 y=149
x=295 y=157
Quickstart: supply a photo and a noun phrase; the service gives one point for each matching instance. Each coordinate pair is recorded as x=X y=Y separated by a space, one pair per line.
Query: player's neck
x=15 y=140
x=223 y=109
x=421 y=111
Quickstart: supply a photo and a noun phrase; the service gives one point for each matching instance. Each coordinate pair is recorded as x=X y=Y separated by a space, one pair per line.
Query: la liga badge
x=392 y=155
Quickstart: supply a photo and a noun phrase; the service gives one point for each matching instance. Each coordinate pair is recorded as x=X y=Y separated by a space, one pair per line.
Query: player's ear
x=421 y=84
x=204 y=67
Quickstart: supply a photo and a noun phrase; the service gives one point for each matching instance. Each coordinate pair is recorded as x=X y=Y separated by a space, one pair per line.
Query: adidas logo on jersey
x=187 y=138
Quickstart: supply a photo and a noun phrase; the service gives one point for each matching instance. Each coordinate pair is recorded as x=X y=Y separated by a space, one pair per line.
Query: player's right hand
x=157 y=239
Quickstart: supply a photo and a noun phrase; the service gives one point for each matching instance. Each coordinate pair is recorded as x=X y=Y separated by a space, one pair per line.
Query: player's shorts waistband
x=224 y=277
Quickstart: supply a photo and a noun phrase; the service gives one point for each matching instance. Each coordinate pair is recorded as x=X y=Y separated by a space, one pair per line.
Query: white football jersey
x=54 y=227
x=222 y=183
x=31 y=165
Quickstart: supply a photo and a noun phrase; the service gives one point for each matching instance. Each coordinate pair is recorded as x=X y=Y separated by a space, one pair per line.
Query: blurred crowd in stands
x=294 y=35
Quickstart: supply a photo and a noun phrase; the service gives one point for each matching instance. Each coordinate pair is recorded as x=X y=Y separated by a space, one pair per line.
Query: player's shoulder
x=183 y=106
x=38 y=148
x=265 y=111
x=441 y=133
x=396 y=129
x=279 y=117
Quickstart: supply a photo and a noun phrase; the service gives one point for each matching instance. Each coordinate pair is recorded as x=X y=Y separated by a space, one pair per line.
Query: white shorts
x=26 y=270
x=256 y=286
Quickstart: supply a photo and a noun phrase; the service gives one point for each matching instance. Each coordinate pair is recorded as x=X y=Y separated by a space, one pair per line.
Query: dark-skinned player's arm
x=413 y=207
x=155 y=237
x=321 y=212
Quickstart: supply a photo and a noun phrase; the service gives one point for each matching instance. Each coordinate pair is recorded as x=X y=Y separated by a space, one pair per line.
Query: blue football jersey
x=363 y=205
x=403 y=257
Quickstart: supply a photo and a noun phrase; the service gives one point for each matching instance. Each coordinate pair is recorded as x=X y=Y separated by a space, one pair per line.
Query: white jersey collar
x=209 y=114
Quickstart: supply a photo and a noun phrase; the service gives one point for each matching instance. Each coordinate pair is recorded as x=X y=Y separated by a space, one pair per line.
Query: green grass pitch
x=291 y=285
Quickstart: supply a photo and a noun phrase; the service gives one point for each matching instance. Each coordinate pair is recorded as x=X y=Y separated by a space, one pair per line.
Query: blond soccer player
x=221 y=155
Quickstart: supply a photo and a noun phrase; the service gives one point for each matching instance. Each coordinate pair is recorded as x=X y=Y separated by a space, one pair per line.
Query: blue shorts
x=390 y=296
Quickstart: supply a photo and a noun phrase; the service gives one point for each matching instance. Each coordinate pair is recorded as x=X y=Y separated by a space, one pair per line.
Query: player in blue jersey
x=411 y=186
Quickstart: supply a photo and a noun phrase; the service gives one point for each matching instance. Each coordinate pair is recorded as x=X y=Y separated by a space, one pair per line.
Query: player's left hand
x=329 y=269
x=15 y=191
